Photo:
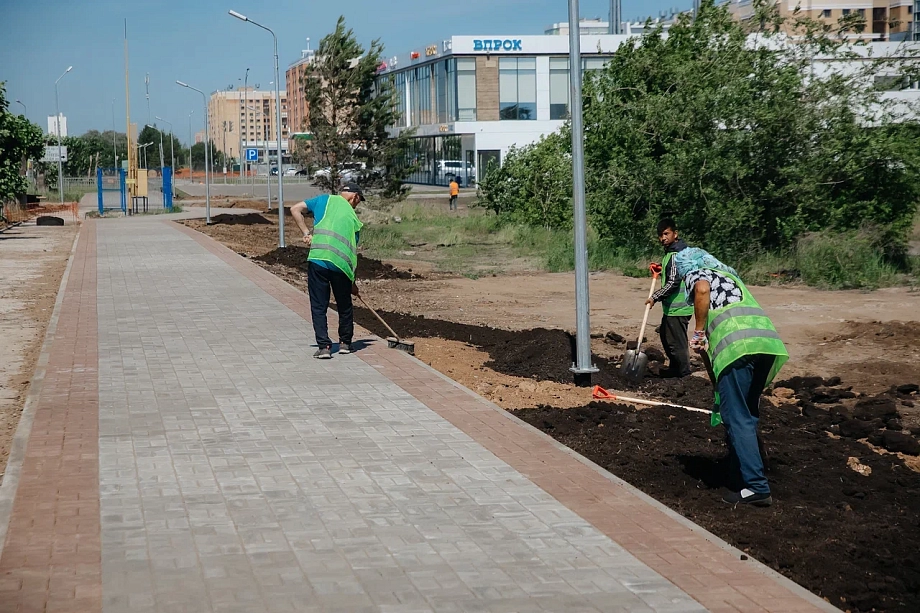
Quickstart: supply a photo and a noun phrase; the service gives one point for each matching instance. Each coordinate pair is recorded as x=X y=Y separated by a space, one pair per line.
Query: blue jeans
x=321 y=282
x=740 y=387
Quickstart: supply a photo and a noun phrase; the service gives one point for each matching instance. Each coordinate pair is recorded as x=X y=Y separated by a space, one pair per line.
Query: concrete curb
x=10 y=482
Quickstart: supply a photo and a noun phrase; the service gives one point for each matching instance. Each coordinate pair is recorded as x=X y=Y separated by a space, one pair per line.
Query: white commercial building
x=54 y=122
x=471 y=98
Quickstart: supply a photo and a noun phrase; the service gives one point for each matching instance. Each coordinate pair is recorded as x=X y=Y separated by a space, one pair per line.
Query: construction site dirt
x=840 y=428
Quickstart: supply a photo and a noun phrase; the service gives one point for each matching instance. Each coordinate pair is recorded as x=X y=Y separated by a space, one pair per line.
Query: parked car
x=290 y=172
x=274 y=171
x=464 y=172
x=303 y=172
x=347 y=172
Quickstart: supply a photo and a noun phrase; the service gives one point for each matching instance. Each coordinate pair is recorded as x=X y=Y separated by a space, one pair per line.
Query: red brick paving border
x=685 y=554
x=52 y=556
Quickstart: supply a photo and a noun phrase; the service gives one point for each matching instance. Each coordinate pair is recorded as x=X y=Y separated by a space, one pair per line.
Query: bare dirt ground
x=841 y=428
x=32 y=262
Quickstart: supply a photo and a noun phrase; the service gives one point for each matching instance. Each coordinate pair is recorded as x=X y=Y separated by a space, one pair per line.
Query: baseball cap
x=353 y=187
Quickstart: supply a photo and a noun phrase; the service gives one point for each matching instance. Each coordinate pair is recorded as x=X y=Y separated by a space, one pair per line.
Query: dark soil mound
x=540 y=354
x=850 y=538
x=274 y=211
x=248 y=219
x=295 y=256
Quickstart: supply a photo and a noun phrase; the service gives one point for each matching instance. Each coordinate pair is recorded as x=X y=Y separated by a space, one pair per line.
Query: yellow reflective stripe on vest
x=334 y=250
x=735 y=312
x=337 y=236
x=738 y=335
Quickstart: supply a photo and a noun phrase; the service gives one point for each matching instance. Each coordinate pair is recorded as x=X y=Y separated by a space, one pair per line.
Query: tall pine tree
x=350 y=110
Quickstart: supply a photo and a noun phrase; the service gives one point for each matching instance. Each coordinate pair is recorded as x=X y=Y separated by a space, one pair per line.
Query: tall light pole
x=244 y=119
x=207 y=151
x=25 y=111
x=144 y=148
x=582 y=368
x=278 y=117
x=190 y=143
x=161 y=147
x=57 y=123
x=172 y=151
x=114 y=132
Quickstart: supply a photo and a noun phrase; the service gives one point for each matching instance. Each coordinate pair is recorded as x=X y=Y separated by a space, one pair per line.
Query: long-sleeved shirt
x=671 y=280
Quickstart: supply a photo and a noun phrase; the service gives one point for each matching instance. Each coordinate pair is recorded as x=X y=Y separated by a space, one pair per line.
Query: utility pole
x=114 y=131
x=582 y=368
x=147 y=87
x=244 y=124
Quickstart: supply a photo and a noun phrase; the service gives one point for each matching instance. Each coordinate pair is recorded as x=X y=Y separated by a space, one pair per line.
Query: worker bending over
x=746 y=354
x=332 y=262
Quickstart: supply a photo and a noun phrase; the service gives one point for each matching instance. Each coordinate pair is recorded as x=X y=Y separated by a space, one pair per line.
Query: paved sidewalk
x=229 y=471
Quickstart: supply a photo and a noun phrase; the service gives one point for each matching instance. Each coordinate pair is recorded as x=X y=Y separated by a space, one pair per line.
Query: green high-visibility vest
x=742 y=329
x=675 y=305
x=334 y=237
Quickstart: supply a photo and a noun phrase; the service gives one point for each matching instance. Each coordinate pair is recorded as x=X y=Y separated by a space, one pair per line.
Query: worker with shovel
x=675 y=308
x=746 y=353
x=332 y=262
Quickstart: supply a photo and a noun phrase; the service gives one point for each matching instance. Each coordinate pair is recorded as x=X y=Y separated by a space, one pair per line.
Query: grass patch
x=477 y=244
x=73 y=193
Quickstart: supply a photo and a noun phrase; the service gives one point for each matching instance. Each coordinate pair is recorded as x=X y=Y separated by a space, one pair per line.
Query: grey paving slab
x=238 y=474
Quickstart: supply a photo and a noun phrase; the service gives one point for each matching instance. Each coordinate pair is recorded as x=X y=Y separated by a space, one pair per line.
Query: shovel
x=635 y=361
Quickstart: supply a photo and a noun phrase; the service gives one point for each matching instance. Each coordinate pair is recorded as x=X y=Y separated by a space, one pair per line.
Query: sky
x=198 y=42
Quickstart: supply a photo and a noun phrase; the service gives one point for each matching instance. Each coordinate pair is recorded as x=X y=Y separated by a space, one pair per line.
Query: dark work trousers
x=320 y=282
x=673 y=333
x=740 y=387
x=453 y=203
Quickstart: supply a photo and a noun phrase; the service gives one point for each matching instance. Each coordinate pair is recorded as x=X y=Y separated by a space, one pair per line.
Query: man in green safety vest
x=746 y=354
x=332 y=262
x=676 y=310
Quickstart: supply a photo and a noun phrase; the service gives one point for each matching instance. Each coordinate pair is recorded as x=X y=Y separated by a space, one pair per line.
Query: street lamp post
x=582 y=368
x=244 y=119
x=278 y=117
x=207 y=151
x=114 y=132
x=172 y=147
x=172 y=153
x=25 y=111
x=144 y=147
x=162 y=164
x=57 y=122
x=190 y=143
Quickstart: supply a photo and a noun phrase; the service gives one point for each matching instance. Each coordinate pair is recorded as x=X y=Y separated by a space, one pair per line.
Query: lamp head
x=69 y=68
x=239 y=16
x=182 y=84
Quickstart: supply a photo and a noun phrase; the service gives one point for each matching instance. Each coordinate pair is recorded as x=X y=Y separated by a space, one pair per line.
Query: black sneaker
x=344 y=348
x=746 y=496
x=323 y=353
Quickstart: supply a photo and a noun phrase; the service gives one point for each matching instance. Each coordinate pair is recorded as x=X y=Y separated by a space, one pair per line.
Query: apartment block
x=246 y=118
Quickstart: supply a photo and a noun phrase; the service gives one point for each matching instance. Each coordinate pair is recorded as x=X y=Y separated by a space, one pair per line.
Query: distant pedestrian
x=454 y=193
x=676 y=310
x=332 y=262
x=746 y=353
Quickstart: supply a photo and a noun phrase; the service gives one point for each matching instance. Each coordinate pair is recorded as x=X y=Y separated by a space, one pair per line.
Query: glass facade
x=399 y=86
x=559 y=94
x=517 y=88
x=466 y=89
x=420 y=90
x=435 y=160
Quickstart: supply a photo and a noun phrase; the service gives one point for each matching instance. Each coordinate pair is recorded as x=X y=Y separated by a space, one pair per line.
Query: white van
x=464 y=172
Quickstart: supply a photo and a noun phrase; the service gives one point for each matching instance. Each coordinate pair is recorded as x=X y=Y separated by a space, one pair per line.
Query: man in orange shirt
x=454 y=192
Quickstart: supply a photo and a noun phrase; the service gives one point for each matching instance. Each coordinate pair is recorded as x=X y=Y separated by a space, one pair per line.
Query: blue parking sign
x=252 y=155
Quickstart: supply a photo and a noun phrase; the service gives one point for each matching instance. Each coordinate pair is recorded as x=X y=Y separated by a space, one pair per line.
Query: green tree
x=730 y=128
x=351 y=110
x=20 y=140
x=198 y=150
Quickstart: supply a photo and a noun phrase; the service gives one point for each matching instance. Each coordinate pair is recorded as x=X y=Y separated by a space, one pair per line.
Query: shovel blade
x=634 y=365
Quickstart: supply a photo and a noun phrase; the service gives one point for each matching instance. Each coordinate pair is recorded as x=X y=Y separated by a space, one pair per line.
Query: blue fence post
x=99 y=190
x=122 y=183
x=167 y=187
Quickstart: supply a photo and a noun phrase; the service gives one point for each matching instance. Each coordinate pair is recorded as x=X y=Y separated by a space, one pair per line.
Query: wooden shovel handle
x=648 y=309
x=385 y=324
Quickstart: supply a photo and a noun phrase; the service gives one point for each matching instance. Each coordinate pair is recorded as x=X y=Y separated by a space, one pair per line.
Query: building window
x=593 y=63
x=862 y=12
x=559 y=91
x=466 y=89
x=399 y=87
x=846 y=12
x=517 y=88
x=420 y=96
x=826 y=13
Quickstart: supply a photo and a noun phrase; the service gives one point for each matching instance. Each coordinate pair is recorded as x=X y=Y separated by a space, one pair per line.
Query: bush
x=845 y=261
